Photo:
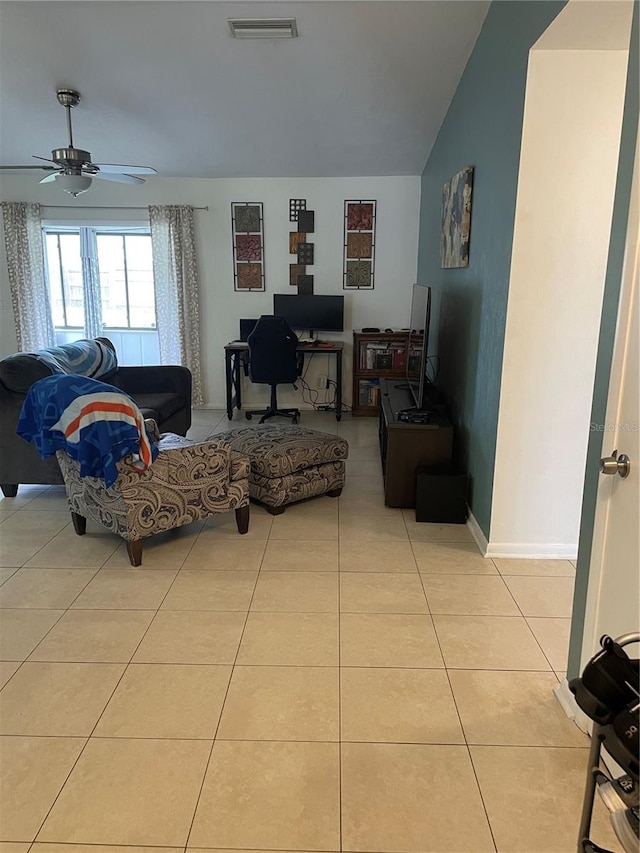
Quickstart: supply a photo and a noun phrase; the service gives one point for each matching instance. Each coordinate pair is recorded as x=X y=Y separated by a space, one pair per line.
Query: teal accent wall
x=611 y=297
x=482 y=128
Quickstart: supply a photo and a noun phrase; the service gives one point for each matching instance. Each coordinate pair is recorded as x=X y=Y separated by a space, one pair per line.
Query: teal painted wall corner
x=482 y=128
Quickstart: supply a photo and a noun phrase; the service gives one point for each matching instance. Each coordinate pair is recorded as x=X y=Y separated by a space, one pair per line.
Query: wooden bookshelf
x=376 y=356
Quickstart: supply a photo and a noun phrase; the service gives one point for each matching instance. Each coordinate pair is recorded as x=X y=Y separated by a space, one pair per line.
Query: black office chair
x=273 y=361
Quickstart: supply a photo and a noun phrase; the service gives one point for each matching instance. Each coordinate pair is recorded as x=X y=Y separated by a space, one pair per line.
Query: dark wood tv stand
x=404 y=445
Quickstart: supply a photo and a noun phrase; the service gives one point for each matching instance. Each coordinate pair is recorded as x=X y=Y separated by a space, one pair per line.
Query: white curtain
x=175 y=275
x=25 y=265
x=93 y=327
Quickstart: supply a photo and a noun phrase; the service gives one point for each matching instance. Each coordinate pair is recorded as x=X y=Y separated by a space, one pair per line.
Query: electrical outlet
x=323 y=381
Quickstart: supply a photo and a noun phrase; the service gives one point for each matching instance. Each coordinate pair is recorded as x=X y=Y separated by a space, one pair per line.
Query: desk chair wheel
x=248 y=416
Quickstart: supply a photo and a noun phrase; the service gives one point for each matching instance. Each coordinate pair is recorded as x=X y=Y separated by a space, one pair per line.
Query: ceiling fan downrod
x=74 y=158
x=68 y=98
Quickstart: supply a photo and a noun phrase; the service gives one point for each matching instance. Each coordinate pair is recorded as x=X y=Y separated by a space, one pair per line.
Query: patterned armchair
x=188 y=481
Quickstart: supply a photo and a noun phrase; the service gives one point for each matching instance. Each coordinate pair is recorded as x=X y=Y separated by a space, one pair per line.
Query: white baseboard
x=532 y=550
x=523 y=550
x=568 y=704
x=478 y=535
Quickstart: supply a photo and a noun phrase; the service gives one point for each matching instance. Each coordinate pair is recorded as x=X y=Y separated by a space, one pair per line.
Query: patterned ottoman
x=290 y=463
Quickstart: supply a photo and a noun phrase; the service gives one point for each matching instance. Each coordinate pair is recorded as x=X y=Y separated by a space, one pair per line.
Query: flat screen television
x=315 y=313
x=416 y=361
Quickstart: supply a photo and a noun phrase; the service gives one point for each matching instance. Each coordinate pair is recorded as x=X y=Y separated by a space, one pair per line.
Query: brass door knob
x=615 y=464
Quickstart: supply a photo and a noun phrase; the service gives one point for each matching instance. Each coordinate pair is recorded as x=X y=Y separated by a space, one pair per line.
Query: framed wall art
x=247 y=231
x=456 y=220
x=359 y=244
x=300 y=246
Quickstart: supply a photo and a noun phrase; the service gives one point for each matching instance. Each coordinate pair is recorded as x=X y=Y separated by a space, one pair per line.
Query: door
x=613 y=595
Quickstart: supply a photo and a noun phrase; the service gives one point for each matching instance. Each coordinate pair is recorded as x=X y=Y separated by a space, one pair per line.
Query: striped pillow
x=92 y=358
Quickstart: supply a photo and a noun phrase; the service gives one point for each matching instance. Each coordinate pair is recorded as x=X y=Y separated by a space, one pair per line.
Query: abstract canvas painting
x=247 y=231
x=359 y=245
x=456 y=220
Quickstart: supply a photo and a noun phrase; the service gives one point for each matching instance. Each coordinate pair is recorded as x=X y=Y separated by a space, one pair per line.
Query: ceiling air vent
x=263 y=28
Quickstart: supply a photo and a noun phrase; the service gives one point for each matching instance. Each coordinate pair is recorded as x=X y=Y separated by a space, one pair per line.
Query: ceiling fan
x=73 y=170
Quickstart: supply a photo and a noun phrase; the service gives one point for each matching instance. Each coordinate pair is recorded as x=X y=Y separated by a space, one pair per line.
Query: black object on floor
x=441 y=495
x=608 y=693
x=609 y=683
x=621 y=739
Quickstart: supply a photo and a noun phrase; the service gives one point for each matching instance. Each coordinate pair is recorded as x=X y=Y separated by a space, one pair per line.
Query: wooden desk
x=234 y=351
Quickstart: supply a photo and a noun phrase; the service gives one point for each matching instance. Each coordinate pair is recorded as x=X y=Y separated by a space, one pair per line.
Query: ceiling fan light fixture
x=263 y=28
x=73 y=184
x=72 y=168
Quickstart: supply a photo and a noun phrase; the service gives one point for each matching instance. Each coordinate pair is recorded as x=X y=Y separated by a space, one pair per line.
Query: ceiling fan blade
x=120 y=179
x=115 y=169
x=46 y=168
x=46 y=160
x=49 y=178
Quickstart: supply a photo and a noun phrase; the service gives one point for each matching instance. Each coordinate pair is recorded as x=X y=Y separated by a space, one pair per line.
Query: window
x=101 y=283
x=64 y=268
x=126 y=281
x=124 y=277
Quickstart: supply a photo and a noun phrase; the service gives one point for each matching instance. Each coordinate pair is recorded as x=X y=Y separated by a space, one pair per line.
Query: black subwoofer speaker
x=441 y=495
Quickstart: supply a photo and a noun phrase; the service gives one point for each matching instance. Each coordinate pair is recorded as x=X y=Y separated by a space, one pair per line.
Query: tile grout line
x=226 y=694
x=126 y=667
x=473 y=768
x=81 y=753
x=529 y=628
x=568 y=747
x=65 y=611
x=464 y=734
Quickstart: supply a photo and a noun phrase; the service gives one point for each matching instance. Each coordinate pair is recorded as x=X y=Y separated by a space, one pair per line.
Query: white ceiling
x=362 y=91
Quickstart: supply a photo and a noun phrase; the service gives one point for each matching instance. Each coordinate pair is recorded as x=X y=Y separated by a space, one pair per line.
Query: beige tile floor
x=340 y=679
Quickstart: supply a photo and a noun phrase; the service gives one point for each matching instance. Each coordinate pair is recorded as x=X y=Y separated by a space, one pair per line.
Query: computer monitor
x=315 y=313
x=246 y=327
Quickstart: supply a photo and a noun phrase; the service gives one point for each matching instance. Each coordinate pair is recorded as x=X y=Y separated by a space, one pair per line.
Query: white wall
x=569 y=154
x=398 y=200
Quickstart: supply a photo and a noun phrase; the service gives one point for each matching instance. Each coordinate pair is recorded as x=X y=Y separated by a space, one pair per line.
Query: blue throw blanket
x=93 y=422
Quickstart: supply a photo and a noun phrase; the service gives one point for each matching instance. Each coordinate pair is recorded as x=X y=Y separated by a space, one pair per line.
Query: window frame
x=113 y=230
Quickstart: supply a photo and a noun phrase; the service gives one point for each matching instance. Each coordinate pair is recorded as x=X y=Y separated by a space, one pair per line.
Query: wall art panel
x=247 y=233
x=359 y=244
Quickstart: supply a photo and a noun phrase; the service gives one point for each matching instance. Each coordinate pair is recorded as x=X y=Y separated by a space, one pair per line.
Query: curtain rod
x=103 y=207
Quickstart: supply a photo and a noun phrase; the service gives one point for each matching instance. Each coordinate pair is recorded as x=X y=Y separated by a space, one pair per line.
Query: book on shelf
x=369 y=353
x=398 y=357
x=383 y=361
x=369 y=392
